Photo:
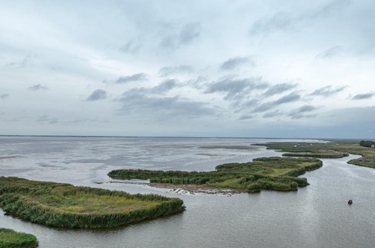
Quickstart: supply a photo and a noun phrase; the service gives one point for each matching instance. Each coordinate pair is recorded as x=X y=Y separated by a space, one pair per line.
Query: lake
x=315 y=216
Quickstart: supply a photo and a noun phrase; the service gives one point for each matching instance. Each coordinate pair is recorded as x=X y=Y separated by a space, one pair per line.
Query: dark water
x=315 y=216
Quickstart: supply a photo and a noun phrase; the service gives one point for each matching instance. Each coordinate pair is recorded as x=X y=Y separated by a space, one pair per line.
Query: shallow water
x=315 y=216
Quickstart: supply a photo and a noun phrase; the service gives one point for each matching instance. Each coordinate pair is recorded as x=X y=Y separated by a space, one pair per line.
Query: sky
x=213 y=68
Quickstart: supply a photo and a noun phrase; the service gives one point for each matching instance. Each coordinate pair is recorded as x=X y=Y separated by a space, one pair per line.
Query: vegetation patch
x=332 y=149
x=273 y=173
x=12 y=239
x=65 y=205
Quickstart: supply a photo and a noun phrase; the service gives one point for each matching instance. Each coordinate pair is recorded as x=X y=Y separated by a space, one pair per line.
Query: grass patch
x=64 y=205
x=12 y=239
x=333 y=149
x=273 y=173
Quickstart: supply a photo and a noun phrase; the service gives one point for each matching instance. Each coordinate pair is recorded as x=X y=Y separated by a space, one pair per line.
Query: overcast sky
x=246 y=68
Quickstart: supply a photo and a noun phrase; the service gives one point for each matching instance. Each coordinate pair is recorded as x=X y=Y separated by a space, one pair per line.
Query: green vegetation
x=13 y=239
x=273 y=173
x=367 y=143
x=64 y=205
x=333 y=149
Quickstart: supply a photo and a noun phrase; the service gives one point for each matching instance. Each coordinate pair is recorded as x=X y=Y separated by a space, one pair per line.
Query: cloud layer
x=207 y=68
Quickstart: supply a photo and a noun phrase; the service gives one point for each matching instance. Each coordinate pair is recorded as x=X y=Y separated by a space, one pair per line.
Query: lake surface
x=314 y=216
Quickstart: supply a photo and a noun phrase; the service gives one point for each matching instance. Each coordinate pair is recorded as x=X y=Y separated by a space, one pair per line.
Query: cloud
x=292 y=97
x=171 y=70
x=279 y=88
x=301 y=112
x=236 y=62
x=37 y=87
x=363 y=96
x=186 y=35
x=280 y=21
x=272 y=114
x=164 y=86
x=189 y=33
x=131 y=47
x=332 y=52
x=46 y=119
x=292 y=23
x=264 y=107
x=246 y=117
x=138 y=102
x=236 y=88
x=97 y=95
x=4 y=96
x=327 y=91
x=26 y=61
x=132 y=78
x=306 y=108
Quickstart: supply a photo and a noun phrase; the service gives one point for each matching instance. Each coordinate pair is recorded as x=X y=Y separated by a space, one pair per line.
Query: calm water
x=315 y=216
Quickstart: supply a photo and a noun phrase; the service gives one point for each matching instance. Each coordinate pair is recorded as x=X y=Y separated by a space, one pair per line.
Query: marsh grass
x=12 y=239
x=273 y=173
x=64 y=205
x=333 y=149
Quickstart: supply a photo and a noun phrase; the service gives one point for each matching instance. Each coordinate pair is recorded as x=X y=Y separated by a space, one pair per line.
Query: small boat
x=350 y=202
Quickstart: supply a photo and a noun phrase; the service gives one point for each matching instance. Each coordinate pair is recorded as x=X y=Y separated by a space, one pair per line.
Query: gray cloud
x=4 y=96
x=303 y=116
x=327 y=91
x=97 y=95
x=289 y=23
x=236 y=88
x=279 y=88
x=187 y=35
x=272 y=114
x=280 y=21
x=133 y=78
x=131 y=47
x=292 y=97
x=171 y=70
x=301 y=112
x=37 y=87
x=136 y=101
x=246 y=117
x=363 y=96
x=46 y=119
x=263 y=107
x=334 y=51
x=26 y=61
x=306 y=108
x=236 y=62
x=164 y=86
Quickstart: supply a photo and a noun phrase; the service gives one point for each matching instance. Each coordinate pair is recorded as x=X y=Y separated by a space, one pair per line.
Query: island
x=273 y=173
x=67 y=206
x=331 y=149
x=12 y=239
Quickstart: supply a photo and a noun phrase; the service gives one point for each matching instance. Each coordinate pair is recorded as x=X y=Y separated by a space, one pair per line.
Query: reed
x=64 y=205
x=273 y=173
x=12 y=239
x=333 y=149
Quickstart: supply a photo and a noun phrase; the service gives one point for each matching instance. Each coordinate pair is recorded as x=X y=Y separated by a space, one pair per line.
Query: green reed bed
x=12 y=239
x=273 y=173
x=65 y=205
x=333 y=149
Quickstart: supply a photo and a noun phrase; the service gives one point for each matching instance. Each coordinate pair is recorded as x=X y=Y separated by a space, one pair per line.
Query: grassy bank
x=13 y=239
x=64 y=205
x=278 y=174
x=333 y=149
